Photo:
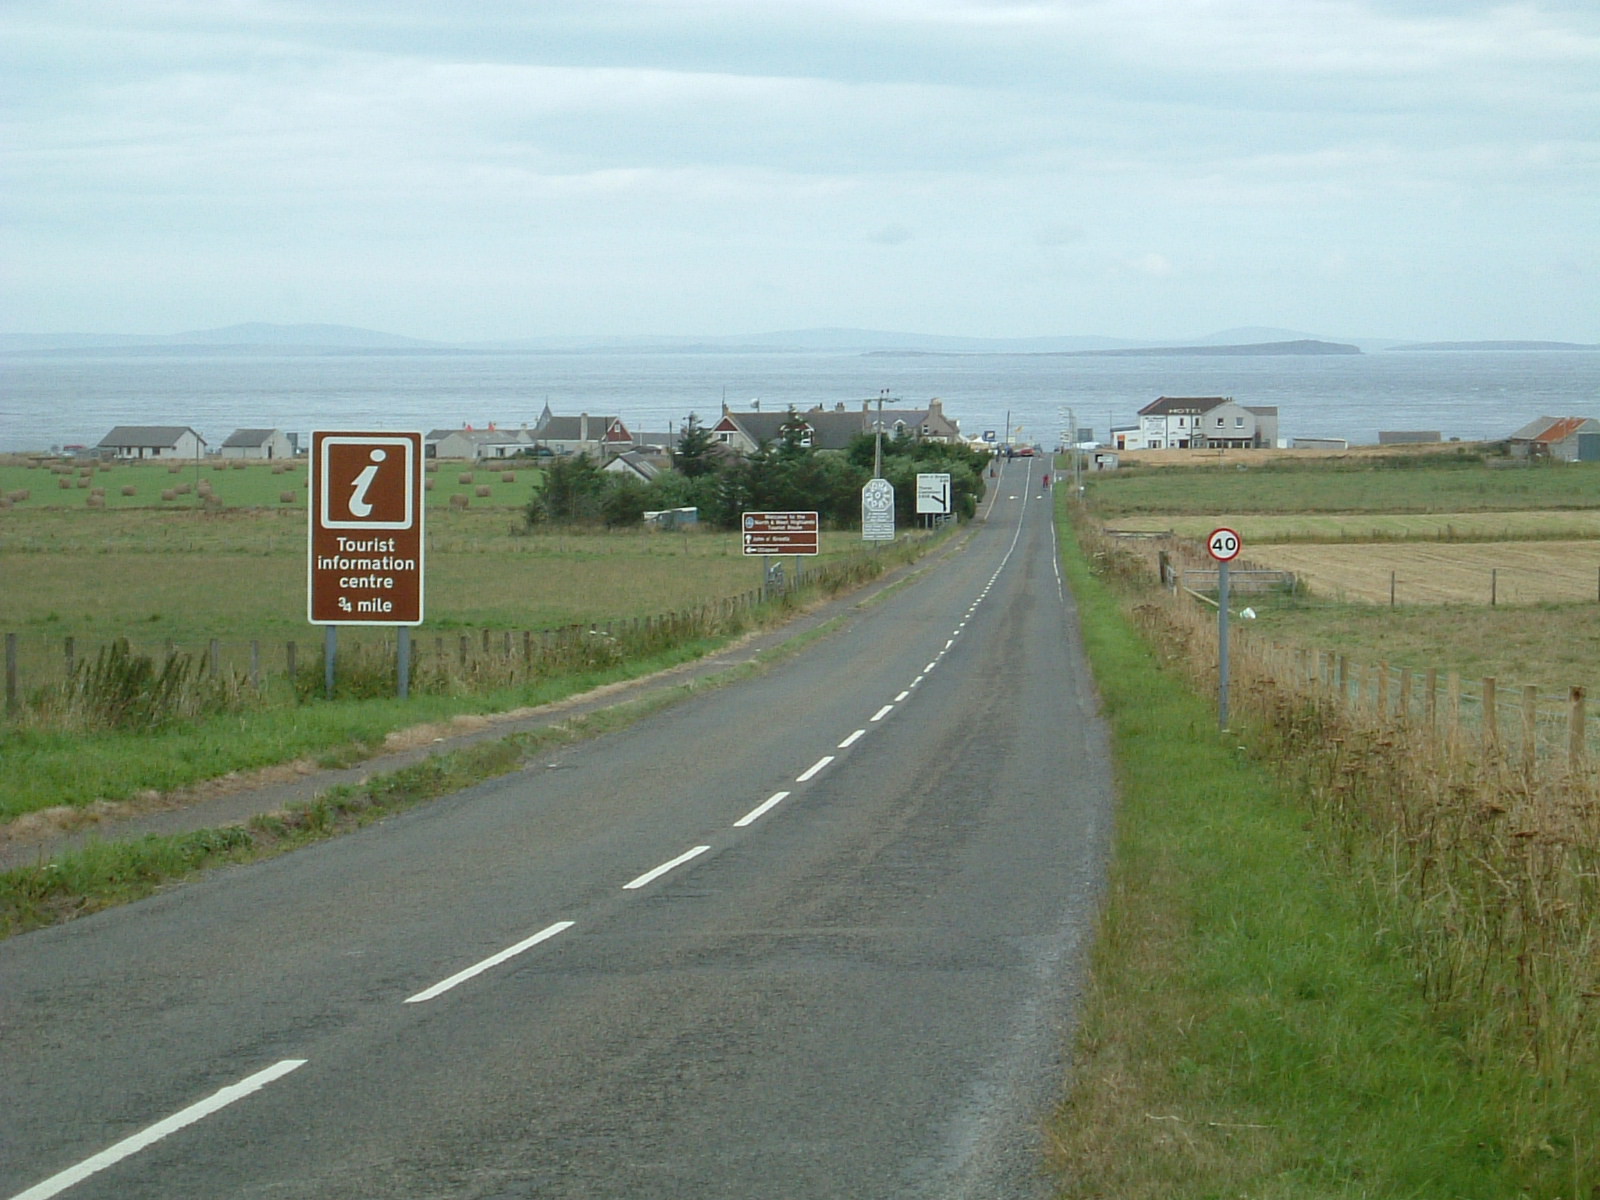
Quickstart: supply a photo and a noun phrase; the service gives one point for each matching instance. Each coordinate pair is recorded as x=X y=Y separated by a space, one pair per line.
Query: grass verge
x=1249 y=1029
x=105 y=874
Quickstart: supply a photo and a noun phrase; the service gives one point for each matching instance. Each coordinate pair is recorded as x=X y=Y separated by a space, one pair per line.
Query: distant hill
x=1299 y=346
x=253 y=336
x=1525 y=346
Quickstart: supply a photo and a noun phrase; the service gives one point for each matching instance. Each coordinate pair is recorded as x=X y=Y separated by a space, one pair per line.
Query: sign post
x=877 y=511
x=1223 y=545
x=775 y=533
x=365 y=549
x=933 y=494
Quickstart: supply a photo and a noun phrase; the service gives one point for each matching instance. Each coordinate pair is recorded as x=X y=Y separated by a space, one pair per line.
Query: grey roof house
x=153 y=441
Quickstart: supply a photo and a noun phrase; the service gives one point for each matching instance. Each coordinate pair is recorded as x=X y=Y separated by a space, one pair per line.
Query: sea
x=57 y=400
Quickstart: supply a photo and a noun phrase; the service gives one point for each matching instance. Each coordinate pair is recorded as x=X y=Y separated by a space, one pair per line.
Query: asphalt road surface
x=816 y=934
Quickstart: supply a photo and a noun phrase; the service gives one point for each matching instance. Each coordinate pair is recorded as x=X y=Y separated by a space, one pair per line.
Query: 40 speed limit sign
x=1224 y=544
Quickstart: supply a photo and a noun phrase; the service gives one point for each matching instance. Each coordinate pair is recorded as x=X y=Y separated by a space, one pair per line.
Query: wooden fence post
x=289 y=655
x=1431 y=703
x=11 y=672
x=1491 y=723
x=1576 y=749
x=71 y=649
x=1453 y=702
x=1530 y=730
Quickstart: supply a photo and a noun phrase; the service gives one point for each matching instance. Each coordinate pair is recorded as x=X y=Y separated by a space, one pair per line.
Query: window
x=1238 y=422
x=1219 y=422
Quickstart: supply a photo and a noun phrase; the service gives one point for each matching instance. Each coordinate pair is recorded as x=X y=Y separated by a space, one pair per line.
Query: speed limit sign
x=1224 y=545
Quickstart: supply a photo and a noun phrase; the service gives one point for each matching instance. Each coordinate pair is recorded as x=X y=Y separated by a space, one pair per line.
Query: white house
x=476 y=445
x=258 y=443
x=1205 y=422
x=153 y=441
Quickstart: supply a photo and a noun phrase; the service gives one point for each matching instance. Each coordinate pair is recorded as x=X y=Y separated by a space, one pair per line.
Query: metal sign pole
x=1222 y=642
x=330 y=648
x=403 y=655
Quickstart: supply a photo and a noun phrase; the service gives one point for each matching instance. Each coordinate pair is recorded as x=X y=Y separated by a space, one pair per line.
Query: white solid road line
x=652 y=876
x=494 y=960
x=760 y=810
x=852 y=739
x=59 y=1183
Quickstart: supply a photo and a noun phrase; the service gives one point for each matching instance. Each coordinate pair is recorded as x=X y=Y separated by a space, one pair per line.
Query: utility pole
x=877 y=451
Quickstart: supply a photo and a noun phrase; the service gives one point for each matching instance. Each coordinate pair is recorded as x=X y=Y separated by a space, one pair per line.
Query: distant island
x=1523 y=346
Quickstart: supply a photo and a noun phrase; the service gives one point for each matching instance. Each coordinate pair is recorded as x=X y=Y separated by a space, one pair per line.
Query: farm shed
x=258 y=443
x=153 y=441
x=1565 y=439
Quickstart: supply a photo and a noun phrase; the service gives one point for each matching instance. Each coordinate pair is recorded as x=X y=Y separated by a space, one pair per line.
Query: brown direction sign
x=779 y=532
x=365 y=561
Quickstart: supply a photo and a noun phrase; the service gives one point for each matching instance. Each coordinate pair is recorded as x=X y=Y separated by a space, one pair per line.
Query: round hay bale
x=219 y=466
x=64 y=482
x=484 y=491
x=464 y=477
x=239 y=464
x=101 y=492
x=286 y=497
x=5 y=502
x=20 y=495
x=83 y=481
x=459 y=501
x=129 y=490
x=508 y=476
x=169 y=493
x=174 y=468
x=278 y=468
x=95 y=501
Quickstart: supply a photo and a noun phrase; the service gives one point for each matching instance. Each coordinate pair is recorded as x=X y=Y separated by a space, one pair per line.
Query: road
x=814 y=934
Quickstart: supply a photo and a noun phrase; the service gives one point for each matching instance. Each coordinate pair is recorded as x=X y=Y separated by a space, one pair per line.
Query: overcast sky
x=1136 y=168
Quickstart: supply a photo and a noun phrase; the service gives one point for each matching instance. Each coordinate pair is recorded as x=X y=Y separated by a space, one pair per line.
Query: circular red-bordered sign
x=1224 y=544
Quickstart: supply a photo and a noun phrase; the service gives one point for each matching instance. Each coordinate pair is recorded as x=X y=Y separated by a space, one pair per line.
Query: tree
x=572 y=488
x=695 y=453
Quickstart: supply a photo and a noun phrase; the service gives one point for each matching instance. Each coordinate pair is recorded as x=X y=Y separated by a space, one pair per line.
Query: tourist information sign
x=779 y=532
x=365 y=560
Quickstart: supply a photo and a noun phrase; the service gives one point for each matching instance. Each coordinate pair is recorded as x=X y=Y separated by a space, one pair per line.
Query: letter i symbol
x=358 y=493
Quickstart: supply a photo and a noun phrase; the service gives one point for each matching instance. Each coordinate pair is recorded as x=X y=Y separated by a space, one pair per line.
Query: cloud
x=681 y=156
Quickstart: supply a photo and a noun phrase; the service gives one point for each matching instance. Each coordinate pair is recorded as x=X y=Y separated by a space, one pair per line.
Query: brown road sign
x=365 y=560
x=780 y=532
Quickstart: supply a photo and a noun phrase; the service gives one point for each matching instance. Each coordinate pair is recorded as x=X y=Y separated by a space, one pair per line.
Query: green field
x=1337 y=486
x=236 y=574
x=235 y=483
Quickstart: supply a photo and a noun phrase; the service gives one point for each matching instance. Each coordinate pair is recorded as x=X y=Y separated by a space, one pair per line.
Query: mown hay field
x=1428 y=573
x=1512 y=573
x=1256 y=527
